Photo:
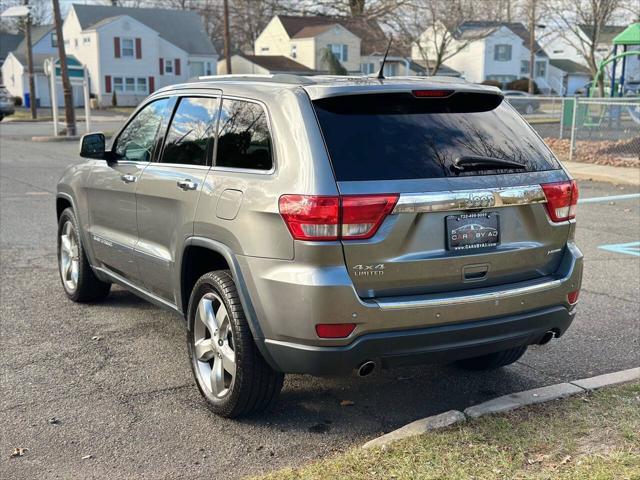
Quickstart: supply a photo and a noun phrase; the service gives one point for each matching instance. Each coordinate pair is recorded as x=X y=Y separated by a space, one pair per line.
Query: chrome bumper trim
x=469 y=199
x=398 y=304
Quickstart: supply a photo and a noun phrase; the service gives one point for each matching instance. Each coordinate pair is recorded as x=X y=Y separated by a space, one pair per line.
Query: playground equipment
x=628 y=37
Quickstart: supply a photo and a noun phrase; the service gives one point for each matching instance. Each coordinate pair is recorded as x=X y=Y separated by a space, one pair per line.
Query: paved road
x=128 y=399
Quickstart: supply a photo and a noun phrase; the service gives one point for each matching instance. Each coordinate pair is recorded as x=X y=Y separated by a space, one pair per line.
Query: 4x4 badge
x=371 y=270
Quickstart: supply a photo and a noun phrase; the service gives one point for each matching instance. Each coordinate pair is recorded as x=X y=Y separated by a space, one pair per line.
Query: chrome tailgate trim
x=469 y=199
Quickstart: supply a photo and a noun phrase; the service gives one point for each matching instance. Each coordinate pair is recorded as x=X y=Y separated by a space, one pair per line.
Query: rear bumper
x=438 y=344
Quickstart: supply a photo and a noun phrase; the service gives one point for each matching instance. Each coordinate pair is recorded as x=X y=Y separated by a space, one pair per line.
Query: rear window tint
x=398 y=136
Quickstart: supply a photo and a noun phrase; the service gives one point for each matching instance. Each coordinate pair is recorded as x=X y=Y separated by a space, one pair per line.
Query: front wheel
x=493 y=360
x=229 y=370
x=79 y=282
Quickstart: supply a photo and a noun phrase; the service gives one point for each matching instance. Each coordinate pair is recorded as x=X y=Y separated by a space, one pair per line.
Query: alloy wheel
x=69 y=257
x=213 y=346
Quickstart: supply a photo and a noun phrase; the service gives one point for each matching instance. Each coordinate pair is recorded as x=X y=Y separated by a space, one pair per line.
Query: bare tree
x=368 y=9
x=433 y=29
x=581 y=23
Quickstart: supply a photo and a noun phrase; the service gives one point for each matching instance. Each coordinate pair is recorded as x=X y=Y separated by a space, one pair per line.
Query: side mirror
x=92 y=145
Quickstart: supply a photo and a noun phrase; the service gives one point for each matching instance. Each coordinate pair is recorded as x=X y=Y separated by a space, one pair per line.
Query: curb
x=504 y=404
x=603 y=173
x=60 y=138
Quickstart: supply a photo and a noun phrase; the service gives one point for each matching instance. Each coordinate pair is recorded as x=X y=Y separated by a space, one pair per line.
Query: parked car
x=304 y=225
x=6 y=103
x=522 y=101
x=632 y=89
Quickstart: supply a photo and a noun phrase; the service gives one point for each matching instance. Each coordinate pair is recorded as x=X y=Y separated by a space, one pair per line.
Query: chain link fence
x=604 y=131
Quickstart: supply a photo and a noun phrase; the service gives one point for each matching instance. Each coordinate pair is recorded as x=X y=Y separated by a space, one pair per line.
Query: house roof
x=372 y=38
x=278 y=64
x=607 y=32
x=37 y=33
x=478 y=29
x=569 y=66
x=38 y=60
x=419 y=65
x=8 y=43
x=183 y=28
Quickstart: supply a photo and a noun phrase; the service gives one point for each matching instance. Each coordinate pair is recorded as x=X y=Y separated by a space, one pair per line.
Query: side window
x=137 y=139
x=191 y=129
x=243 y=138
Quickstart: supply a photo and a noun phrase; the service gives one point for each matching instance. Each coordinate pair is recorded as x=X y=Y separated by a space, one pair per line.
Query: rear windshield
x=397 y=136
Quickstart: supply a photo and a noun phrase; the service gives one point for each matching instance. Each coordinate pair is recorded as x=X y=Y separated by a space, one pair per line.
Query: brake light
x=432 y=93
x=562 y=200
x=325 y=218
x=334 y=330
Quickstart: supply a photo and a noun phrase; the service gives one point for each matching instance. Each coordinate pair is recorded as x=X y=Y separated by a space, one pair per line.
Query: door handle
x=128 y=178
x=187 y=184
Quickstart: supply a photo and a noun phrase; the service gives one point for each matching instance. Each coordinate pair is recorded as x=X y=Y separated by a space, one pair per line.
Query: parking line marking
x=609 y=198
x=631 y=248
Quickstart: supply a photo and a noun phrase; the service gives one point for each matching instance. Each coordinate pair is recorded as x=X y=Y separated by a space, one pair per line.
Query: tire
x=78 y=280
x=230 y=372
x=493 y=360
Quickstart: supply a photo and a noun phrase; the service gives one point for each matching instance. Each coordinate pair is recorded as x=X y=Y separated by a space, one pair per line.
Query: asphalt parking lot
x=117 y=380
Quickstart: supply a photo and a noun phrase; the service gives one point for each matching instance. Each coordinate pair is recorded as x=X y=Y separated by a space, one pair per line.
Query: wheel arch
x=201 y=255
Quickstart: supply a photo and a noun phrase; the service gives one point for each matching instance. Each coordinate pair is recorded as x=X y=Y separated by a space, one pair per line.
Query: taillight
x=350 y=217
x=363 y=214
x=334 y=330
x=562 y=200
x=311 y=217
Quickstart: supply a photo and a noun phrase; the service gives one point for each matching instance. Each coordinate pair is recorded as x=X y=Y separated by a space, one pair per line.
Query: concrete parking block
x=608 y=379
x=417 y=428
x=520 y=399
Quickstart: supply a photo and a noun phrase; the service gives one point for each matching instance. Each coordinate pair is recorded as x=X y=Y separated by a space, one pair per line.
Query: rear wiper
x=473 y=162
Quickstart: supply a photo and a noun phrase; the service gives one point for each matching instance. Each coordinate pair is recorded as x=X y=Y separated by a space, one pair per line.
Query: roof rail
x=250 y=77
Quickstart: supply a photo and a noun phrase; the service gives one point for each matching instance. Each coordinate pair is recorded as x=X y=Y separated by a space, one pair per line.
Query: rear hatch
x=467 y=171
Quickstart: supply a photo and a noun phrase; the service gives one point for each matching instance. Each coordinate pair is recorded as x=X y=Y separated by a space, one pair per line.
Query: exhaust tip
x=366 y=368
x=547 y=337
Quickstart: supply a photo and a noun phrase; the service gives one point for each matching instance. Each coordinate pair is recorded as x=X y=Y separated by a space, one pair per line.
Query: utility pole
x=533 y=5
x=69 y=112
x=227 y=37
x=32 y=83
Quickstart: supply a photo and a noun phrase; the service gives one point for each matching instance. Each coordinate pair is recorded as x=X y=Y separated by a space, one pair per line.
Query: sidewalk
x=603 y=173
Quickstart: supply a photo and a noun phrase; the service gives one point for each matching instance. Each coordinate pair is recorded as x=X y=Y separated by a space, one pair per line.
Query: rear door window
x=191 y=132
x=243 y=139
x=397 y=136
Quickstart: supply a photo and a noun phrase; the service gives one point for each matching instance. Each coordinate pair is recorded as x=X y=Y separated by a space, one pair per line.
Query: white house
x=14 y=67
x=569 y=75
x=130 y=52
x=489 y=51
x=358 y=44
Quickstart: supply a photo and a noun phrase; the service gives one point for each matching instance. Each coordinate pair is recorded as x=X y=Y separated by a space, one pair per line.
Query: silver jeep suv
x=324 y=225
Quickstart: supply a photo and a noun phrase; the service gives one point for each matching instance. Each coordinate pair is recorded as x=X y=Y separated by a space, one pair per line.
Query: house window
x=340 y=51
x=54 y=40
x=558 y=51
x=75 y=42
x=141 y=85
x=524 y=67
x=127 y=48
x=264 y=49
x=541 y=68
x=390 y=69
x=294 y=52
x=168 y=66
x=208 y=69
x=130 y=85
x=502 y=53
x=86 y=40
x=367 y=68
